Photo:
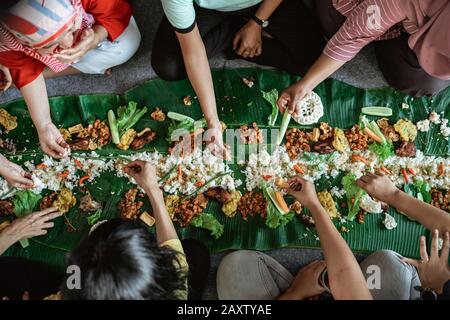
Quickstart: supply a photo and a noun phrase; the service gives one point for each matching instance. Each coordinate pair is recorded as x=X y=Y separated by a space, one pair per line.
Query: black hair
x=121 y=260
x=7 y=4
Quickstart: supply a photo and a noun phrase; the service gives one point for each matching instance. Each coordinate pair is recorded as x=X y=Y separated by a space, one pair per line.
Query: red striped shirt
x=371 y=20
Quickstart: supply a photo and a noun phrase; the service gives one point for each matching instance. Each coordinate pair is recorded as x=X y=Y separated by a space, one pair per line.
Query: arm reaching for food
x=32 y=225
x=381 y=188
x=199 y=73
x=346 y=279
x=321 y=69
x=14 y=174
x=36 y=98
x=145 y=175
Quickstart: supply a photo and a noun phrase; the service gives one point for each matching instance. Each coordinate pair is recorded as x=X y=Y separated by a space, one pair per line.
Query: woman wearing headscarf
x=41 y=39
x=412 y=44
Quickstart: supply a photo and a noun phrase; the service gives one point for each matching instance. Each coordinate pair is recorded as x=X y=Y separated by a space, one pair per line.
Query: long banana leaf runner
x=237 y=105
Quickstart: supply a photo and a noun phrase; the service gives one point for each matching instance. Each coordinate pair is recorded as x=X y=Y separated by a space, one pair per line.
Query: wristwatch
x=263 y=23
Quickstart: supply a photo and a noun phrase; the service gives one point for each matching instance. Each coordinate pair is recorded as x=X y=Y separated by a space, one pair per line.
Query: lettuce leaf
x=209 y=222
x=383 y=151
x=93 y=218
x=128 y=116
x=272 y=98
x=353 y=193
x=24 y=204
x=185 y=125
x=274 y=218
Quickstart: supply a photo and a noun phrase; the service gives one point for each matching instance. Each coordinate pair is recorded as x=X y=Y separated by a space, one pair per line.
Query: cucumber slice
x=179 y=117
x=284 y=126
x=272 y=197
x=377 y=111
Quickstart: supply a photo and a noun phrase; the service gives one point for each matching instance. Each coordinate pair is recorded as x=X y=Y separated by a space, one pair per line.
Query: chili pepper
x=64 y=174
x=298 y=169
x=405 y=175
x=267 y=178
x=41 y=166
x=200 y=183
x=412 y=171
x=180 y=173
x=385 y=170
x=83 y=179
x=441 y=169
x=78 y=163
x=356 y=157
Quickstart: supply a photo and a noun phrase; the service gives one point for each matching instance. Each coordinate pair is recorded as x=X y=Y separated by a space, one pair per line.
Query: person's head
x=45 y=25
x=121 y=260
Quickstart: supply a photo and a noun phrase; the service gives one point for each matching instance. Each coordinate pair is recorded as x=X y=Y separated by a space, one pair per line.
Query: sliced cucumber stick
x=179 y=117
x=377 y=111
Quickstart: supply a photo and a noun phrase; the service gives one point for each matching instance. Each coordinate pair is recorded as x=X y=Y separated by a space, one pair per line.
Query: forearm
x=3 y=163
x=5 y=242
x=344 y=274
x=432 y=218
x=321 y=70
x=36 y=98
x=164 y=227
x=101 y=34
x=199 y=73
x=266 y=8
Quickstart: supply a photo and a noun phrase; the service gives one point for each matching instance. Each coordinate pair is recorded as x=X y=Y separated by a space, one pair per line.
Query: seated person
x=40 y=39
x=271 y=281
x=122 y=260
x=431 y=272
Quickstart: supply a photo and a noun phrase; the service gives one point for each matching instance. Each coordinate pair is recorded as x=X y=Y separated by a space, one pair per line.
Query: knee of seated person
x=383 y=259
x=233 y=261
x=415 y=88
x=130 y=43
x=167 y=67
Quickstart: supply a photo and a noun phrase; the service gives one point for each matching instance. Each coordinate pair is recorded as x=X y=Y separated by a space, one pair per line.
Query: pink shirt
x=427 y=21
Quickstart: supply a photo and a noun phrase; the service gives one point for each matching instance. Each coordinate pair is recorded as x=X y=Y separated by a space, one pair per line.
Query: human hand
x=214 y=138
x=52 y=141
x=292 y=95
x=304 y=191
x=144 y=173
x=15 y=175
x=433 y=270
x=248 y=41
x=88 y=41
x=25 y=296
x=5 y=78
x=306 y=283
x=32 y=225
x=379 y=187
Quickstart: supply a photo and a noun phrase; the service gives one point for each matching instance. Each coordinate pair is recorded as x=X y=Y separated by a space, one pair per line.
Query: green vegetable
x=113 y=127
x=284 y=126
x=354 y=195
x=422 y=190
x=272 y=98
x=128 y=116
x=24 y=204
x=179 y=117
x=383 y=152
x=179 y=128
x=377 y=111
x=274 y=217
x=209 y=222
x=93 y=218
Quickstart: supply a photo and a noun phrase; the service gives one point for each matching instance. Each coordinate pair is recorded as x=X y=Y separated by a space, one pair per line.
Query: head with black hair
x=121 y=260
x=7 y=4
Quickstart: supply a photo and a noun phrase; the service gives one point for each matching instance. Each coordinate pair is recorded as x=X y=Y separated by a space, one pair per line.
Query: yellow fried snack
x=127 y=139
x=66 y=134
x=406 y=129
x=8 y=121
x=65 y=201
x=230 y=208
x=326 y=200
x=340 y=142
x=172 y=202
x=147 y=219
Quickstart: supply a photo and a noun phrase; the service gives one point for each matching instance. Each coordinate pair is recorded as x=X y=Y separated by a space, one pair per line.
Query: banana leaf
x=237 y=105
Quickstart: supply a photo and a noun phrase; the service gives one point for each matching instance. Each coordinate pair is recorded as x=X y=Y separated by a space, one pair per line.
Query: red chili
x=405 y=176
x=412 y=171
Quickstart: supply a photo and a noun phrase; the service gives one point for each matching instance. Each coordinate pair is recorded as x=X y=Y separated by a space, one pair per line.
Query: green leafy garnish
x=128 y=116
x=183 y=126
x=383 y=151
x=209 y=222
x=354 y=195
x=93 y=218
x=24 y=204
x=272 y=98
x=274 y=217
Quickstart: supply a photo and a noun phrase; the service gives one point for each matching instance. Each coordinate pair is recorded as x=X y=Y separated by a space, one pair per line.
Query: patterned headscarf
x=38 y=22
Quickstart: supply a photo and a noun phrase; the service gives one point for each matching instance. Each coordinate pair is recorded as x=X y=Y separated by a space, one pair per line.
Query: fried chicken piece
x=251 y=135
x=142 y=139
x=47 y=201
x=219 y=194
x=297 y=141
x=388 y=130
x=158 y=115
x=88 y=204
x=406 y=149
x=356 y=139
x=6 y=208
x=251 y=204
x=128 y=206
x=191 y=208
x=324 y=147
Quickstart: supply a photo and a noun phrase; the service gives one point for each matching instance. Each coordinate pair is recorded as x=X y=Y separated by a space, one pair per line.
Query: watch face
x=265 y=23
x=429 y=295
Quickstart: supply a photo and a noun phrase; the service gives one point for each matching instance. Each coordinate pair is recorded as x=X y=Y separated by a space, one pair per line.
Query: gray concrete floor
x=361 y=72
